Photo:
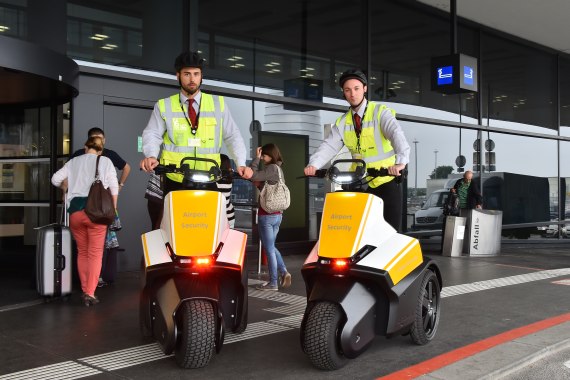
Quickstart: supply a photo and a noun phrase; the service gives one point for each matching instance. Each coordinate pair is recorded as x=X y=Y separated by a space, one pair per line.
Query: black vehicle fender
x=404 y=297
x=166 y=295
x=358 y=306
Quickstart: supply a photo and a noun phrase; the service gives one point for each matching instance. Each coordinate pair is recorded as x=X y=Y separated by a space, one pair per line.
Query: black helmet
x=188 y=59
x=352 y=74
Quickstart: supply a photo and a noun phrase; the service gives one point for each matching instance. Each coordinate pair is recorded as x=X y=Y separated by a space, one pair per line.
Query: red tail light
x=340 y=263
x=203 y=261
x=196 y=262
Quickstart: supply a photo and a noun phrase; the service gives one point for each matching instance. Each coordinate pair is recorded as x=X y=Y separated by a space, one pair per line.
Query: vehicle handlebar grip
x=321 y=173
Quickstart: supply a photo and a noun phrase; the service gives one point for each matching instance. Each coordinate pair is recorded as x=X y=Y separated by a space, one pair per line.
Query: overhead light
x=4 y=28
x=275 y=63
x=109 y=47
x=234 y=58
x=99 y=37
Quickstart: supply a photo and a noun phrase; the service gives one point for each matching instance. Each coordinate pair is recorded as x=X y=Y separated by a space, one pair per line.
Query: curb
x=527 y=360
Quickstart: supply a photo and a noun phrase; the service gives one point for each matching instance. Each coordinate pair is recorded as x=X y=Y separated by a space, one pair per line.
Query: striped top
x=226 y=189
x=153 y=190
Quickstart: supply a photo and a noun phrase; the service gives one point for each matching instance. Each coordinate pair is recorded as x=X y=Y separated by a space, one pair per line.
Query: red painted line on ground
x=516 y=266
x=451 y=357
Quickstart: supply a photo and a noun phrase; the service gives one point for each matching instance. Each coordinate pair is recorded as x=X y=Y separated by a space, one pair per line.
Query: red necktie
x=192 y=113
x=357 y=124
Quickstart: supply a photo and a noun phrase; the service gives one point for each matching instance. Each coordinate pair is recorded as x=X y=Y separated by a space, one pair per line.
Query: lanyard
x=354 y=125
x=193 y=128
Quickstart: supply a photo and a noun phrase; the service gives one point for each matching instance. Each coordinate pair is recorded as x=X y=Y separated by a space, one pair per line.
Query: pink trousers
x=90 y=238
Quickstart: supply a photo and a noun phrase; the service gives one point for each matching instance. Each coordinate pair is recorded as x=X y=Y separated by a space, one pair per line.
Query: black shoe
x=90 y=300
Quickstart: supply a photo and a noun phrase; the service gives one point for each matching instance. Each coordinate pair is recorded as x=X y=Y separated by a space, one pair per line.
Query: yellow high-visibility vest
x=372 y=146
x=178 y=140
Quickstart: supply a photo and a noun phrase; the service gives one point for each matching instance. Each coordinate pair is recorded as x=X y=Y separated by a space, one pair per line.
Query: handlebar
x=193 y=175
x=357 y=175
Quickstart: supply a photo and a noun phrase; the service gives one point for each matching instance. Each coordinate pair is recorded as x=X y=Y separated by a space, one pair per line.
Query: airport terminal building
x=67 y=66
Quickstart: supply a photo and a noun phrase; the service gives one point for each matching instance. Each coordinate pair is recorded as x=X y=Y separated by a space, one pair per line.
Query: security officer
x=371 y=132
x=191 y=123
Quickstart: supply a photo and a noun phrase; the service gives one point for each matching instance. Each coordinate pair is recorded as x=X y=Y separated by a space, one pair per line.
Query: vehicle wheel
x=322 y=334
x=428 y=310
x=196 y=345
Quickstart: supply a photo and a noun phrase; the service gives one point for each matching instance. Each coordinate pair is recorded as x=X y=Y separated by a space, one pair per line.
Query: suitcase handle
x=60 y=263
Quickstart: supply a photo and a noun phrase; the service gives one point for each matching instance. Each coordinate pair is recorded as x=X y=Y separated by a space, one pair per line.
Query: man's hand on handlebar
x=148 y=164
x=395 y=169
x=310 y=170
x=245 y=172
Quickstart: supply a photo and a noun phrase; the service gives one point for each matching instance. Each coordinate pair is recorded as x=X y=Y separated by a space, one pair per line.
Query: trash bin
x=453 y=236
x=485 y=232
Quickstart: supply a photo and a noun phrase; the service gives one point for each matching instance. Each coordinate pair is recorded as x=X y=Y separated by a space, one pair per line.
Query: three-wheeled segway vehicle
x=362 y=277
x=195 y=280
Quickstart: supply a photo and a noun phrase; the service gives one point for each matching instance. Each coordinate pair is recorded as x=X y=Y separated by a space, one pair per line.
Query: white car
x=430 y=216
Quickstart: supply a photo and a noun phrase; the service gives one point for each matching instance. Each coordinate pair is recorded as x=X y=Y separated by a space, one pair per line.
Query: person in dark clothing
x=109 y=267
x=468 y=193
x=118 y=162
x=470 y=198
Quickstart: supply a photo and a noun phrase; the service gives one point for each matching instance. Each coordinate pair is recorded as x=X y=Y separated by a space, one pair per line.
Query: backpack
x=451 y=206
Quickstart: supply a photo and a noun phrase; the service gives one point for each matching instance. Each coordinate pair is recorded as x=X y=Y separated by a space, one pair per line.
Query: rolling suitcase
x=53 y=261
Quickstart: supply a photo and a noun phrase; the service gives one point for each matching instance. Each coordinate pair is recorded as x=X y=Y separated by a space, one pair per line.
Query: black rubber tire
x=196 y=345
x=428 y=310
x=321 y=336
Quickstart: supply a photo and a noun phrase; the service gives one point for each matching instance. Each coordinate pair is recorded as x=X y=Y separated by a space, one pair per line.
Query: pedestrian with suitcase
x=90 y=237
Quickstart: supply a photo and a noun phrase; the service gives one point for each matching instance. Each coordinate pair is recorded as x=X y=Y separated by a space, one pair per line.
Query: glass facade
x=27 y=139
x=261 y=48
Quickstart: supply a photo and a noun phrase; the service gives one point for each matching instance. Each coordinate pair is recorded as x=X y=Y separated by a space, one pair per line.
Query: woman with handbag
x=270 y=220
x=81 y=173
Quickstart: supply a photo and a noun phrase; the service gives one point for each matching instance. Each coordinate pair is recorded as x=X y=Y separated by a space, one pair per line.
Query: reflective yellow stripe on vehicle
x=405 y=261
x=145 y=248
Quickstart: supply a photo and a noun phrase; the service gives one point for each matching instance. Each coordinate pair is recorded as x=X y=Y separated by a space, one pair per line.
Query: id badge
x=194 y=142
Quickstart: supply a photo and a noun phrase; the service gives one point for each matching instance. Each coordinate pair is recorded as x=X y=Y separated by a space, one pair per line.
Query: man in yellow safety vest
x=190 y=123
x=372 y=133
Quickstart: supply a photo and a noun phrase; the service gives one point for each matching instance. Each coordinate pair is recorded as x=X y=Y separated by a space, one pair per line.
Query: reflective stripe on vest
x=178 y=139
x=370 y=139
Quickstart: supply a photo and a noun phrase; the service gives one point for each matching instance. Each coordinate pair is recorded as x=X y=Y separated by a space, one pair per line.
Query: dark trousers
x=109 y=268
x=155 y=209
x=391 y=194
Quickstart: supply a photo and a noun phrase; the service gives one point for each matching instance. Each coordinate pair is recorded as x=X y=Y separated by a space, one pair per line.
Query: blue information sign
x=444 y=75
x=468 y=75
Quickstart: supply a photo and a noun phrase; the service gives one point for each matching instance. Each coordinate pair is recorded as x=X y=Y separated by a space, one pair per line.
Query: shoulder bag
x=275 y=198
x=99 y=207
